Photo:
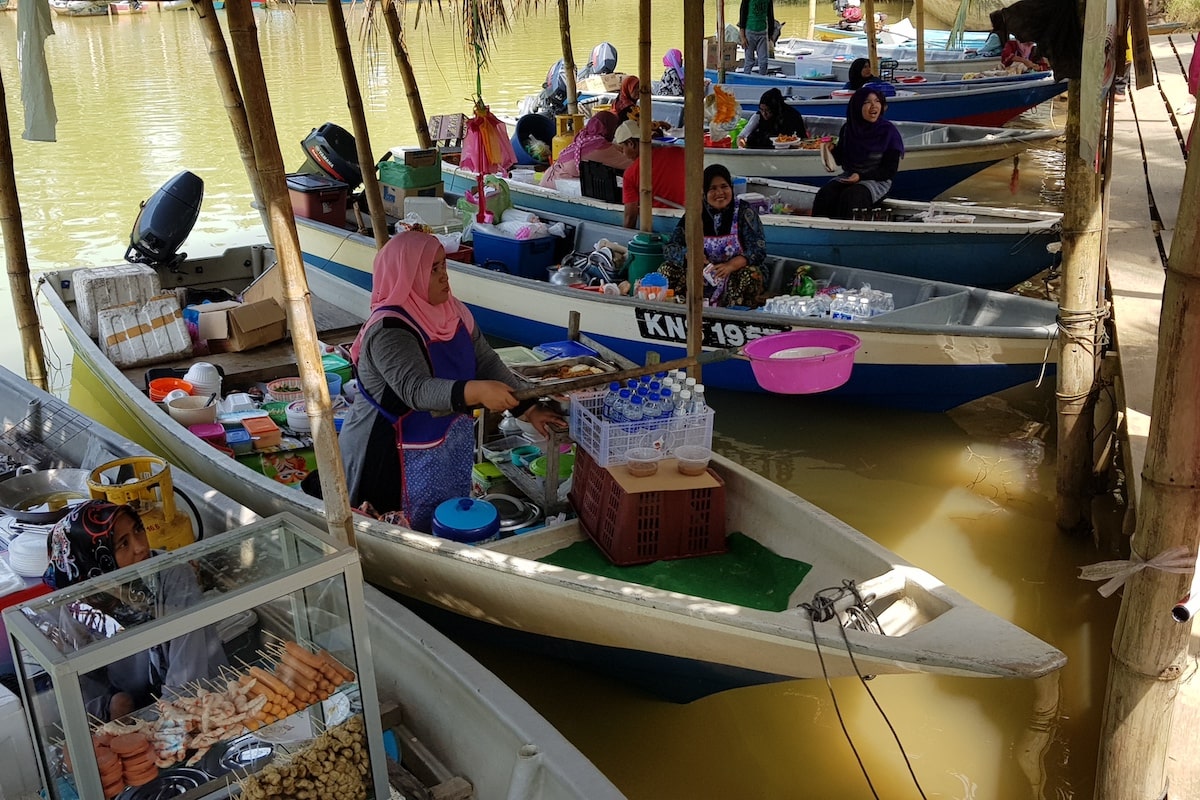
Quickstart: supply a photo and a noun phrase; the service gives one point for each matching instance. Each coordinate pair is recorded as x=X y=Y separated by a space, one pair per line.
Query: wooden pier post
x=17 y=258
x=693 y=142
x=1149 y=652
x=564 y=32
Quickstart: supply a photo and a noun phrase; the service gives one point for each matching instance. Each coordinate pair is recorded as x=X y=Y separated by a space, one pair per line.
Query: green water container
x=645 y=256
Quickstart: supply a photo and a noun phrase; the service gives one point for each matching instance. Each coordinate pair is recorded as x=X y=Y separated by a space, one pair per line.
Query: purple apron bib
x=718 y=250
x=436 y=452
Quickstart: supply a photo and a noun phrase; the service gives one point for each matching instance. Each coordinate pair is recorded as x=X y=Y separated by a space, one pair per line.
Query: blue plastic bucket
x=335 y=383
x=537 y=125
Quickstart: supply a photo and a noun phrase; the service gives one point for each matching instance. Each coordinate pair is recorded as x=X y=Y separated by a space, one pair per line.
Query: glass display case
x=238 y=664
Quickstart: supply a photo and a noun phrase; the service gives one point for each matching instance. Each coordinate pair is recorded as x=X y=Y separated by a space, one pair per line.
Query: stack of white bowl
x=204 y=378
x=27 y=554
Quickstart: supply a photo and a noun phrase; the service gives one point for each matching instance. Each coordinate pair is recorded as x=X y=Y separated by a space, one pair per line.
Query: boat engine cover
x=165 y=221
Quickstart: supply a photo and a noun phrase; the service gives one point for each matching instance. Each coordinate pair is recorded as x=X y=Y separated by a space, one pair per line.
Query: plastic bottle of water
x=684 y=403
x=652 y=413
x=634 y=413
x=839 y=307
x=667 y=401
x=610 y=399
x=699 y=405
x=621 y=406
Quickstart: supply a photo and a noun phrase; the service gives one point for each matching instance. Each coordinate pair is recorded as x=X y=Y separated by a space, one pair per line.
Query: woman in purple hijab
x=868 y=150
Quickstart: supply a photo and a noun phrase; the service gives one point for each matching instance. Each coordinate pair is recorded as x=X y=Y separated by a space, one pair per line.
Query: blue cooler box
x=528 y=258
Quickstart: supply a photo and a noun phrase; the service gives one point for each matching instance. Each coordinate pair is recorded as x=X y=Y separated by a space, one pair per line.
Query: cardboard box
x=231 y=327
x=144 y=333
x=417 y=157
x=728 y=53
x=596 y=84
x=267 y=286
x=394 y=196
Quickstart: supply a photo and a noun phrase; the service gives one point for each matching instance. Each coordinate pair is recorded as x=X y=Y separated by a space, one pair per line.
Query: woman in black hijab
x=94 y=539
x=860 y=73
x=773 y=118
x=734 y=247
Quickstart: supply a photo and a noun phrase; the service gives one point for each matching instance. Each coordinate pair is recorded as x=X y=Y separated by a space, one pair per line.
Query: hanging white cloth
x=34 y=24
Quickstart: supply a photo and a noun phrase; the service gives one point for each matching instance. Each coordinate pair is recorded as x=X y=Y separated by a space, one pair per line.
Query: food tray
x=547 y=372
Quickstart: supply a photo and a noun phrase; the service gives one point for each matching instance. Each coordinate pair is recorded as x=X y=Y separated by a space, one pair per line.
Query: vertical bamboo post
x=17 y=259
x=1150 y=649
x=358 y=119
x=919 y=15
x=564 y=32
x=411 y=90
x=645 y=114
x=1079 y=326
x=721 y=41
x=693 y=139
x=812 y=19
x=231 y=95
x=244 y=34
x=869 y=27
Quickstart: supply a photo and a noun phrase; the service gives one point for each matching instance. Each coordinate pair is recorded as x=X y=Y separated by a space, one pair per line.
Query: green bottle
x=803 y=285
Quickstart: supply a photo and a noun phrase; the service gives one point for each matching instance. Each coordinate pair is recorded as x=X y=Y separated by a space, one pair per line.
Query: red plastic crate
x=637 y=527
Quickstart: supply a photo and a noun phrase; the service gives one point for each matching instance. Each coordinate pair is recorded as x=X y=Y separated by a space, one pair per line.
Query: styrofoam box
x=19 y=778
x=134 y=333
x=106 y=287
x=569 y=186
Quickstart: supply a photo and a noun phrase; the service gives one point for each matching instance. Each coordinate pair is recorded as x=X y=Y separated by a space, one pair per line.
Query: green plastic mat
x=747 y=575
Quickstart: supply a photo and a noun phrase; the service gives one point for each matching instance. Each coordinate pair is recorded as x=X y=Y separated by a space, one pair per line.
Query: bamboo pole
x=1150 y=649
x=645 y=113
x=244 y=35
x=412 y=92
x=721 y=40
x=919 y=14
x=693 y=138
x=358 y=119
x=1080 y=327
x=812 y=18
x=17 y=258
x=869 y=27
x=564 y=32
x=231 y=96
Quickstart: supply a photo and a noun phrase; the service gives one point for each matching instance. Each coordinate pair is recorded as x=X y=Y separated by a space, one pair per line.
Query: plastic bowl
x=192 y=410
x=160 y=387
x=286 y=389
x=277 y=411
x=802 y=362
x=297 y=417
x=642 y=461
x=203 y=372
x=566 y=463
x=691 y=459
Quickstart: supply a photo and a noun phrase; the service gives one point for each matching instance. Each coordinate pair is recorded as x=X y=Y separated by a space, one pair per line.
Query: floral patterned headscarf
x=81 y=544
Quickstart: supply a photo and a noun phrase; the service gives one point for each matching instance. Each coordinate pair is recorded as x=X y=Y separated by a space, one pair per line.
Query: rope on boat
x=858 y=616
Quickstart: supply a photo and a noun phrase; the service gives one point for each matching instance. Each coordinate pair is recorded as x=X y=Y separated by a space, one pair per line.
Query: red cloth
x=667 y=170
x=1194 y=72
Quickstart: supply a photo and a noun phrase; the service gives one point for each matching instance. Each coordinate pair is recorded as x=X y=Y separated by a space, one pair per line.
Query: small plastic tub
x=239 y=441
x=692 y=459
x=211 y=432
x=522 y=456
x=334 y=381
x=159 y=388
x=803 y=361
x=642 y=462
x=277 y=411
x=297 y=417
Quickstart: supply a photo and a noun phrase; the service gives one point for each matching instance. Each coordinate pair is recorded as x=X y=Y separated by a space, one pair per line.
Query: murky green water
x=967 y=495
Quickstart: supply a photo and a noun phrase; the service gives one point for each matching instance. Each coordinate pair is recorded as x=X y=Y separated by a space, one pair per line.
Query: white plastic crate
x=607 y=442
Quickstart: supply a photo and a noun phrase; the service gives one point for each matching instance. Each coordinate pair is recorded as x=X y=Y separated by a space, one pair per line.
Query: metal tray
x=545 y=373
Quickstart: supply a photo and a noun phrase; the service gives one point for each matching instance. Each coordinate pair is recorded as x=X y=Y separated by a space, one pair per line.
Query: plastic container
x=171 y=395
x=318 y=197
x=802 y=362
x=240 y=441
x=642 y=462
x=286 y=389
x=277 y=411
x=192 y=410
x=566 y=349
x=464 y=519
x=527 y=258
x=297 y=417
x=161 y=387
x=523 y=455
x=539 y=127
x=692 y=460
x=334 y=382
x=332 y=362
x=608 y=442
x=566 y=463
x=638 y=527
x=211 y=432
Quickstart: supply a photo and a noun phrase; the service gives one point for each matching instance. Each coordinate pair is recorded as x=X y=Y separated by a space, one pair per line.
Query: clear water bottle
x=621 y=406
x=634 y=413
x=683 y=403
x=699 y=405
x=667 y=401
x=611 y=398
x=840 y=308
x=652 y=413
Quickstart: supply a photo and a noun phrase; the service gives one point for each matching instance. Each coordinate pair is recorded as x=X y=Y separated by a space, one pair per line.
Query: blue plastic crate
x=528 y=258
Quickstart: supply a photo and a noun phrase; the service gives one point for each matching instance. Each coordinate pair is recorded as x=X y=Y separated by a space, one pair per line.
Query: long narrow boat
x=990 y=105
x=806 y=64
x=920 y=82
x=903 y=32
x=816 y=50
x=692 y=644
x=936 y=156
x=992 y=248
x=80 y=8
x=474 y=725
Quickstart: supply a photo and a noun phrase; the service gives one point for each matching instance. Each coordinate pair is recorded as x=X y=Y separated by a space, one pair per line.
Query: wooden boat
x=996 y=249
x=989 y=105
x=80 y=8
x=919 y=82
x=475 y=726
x=128 y=7
x=693 y=645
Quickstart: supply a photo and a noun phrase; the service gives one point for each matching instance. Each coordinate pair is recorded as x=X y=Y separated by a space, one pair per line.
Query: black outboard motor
x=165 y=221
x=331 y=150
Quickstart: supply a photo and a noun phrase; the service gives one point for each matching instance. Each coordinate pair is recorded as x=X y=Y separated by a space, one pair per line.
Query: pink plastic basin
x=802 y=362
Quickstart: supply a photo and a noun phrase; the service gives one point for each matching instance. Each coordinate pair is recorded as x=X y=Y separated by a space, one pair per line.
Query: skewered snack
x=334 y=765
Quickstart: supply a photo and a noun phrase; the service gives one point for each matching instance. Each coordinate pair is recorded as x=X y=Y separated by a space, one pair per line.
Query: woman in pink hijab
x=594 y=143
x=422 y=365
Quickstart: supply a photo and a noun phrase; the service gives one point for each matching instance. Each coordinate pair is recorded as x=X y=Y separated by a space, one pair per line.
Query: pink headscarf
x=597 y=134
x=674 y=60
x=402 y=270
